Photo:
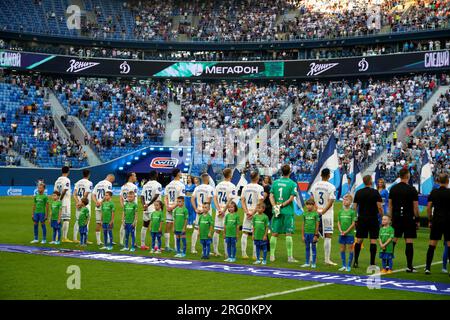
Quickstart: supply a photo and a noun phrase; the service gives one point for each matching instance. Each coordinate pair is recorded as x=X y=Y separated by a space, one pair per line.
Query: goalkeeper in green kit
x=282 y=195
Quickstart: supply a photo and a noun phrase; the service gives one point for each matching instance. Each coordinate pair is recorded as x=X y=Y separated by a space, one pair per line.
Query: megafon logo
x=164 y=163
x=77 y=66
x=318 y=68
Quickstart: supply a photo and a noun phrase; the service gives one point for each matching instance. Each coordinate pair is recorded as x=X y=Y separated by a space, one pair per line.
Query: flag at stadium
x=426 y=176
x=328 y=159
x=344 y=188
x=357 y=181
x=299 y=202
x=239 y=180
x=212 y=176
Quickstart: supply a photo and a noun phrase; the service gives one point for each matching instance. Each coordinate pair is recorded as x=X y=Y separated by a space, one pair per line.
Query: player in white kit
x=126 y=188
x=324 y=194
x=225 y=193
x=151 y=191
x=251 y=195
x=202 y=193
x=98 y=194
x=62 y=185
x=173 y=190
x=83 y=189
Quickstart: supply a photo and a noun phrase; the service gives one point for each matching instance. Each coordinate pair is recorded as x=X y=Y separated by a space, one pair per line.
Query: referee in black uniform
x=438 y=210
x=404 y=211
x=369 y=206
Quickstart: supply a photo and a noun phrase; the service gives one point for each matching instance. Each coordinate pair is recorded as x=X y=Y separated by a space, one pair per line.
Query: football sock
x=54 y=234
x=409 y=252
x=75 y=231
x=98 y=237
x=65 y=229
x=445 y=257
x=183 y=240
x=233 y=249
x=350 y=259
x=343 y=258
x=254 y=249
x=127 y=236
x=105 y=236
x=390 y=263
x=430 y=254
x=177 y=247
x=229 y=247
x=167 y=239
x=384 y=263
x=121 y=233
x=373 y=252
x=327 y=248
x=143 y=234
x=216 y=242
x=289 y=245
x=194 y=239
x=244 y=244
x=357 y=251
x=36 y=231
x=273 y=246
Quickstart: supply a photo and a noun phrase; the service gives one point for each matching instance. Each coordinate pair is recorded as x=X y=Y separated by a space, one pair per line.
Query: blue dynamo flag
x=328 y=159
x=426 y=176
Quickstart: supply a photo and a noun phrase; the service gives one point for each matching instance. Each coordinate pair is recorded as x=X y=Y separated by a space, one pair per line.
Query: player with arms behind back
x=202 y=193
x=98 y=194
x=252 y=194
x=324 y=194
x=282 y=195
x=151 y=192
x=62 y=185
x=83 y=189
x=40 y=213
x=173 y=190
x=225 y=192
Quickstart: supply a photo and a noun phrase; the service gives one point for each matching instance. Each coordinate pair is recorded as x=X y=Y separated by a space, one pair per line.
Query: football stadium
x=224 y=150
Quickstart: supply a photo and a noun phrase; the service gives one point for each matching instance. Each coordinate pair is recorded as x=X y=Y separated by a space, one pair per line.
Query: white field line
x=320 y=285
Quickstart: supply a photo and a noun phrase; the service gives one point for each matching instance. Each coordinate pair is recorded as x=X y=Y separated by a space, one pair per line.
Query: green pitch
x=38 y=277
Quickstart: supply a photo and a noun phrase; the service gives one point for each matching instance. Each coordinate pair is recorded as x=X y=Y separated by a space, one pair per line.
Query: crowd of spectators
x=238 y=20
x=120 y=117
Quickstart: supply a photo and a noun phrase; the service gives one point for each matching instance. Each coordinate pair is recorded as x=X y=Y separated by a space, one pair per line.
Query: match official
x=438 y=210
x=404 y=211
x=369 y=206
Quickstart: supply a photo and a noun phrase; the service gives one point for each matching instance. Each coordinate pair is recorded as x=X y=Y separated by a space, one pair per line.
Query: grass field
x=40 y=277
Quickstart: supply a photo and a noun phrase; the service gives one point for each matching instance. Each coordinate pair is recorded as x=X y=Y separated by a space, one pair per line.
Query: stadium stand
x=214 y=20
x=27 y=126
x=120 y=118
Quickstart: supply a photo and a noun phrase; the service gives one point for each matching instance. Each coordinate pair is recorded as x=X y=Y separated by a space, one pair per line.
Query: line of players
x=281 y=195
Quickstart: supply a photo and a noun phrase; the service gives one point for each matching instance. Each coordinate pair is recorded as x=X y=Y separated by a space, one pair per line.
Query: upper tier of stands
x=224 y=20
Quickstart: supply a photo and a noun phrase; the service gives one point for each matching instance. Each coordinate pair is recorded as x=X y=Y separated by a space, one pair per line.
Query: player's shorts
x=386 y=255
x=219 y=222
x=404 y=227
x=55 y=225
x=247 y=226
x=169 y=217
x=368 y=228
x=38 y=217
x=327 y=223
x=283 y=224
x=106 y=226
x=347 y=239
x=65 y=212
x=98 y=216
x=440 y=229
x=180 y=233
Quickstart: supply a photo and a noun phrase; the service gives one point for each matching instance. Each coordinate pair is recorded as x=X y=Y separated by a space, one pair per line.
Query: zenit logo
x=164 y=163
